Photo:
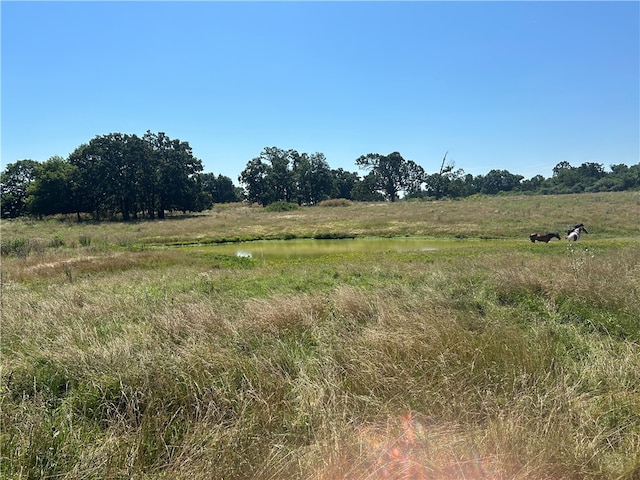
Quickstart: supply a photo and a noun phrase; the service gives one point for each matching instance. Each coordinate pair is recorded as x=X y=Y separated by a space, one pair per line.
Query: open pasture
x=152 y=350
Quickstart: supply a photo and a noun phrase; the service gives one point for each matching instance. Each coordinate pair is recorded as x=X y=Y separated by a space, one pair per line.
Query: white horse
x=573 y=234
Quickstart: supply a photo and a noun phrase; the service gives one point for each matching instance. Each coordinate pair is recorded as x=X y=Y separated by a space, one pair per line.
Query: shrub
x=336 y=202
x=20 y=247
x=281 y=207
x=56 y=242
x=332 y=236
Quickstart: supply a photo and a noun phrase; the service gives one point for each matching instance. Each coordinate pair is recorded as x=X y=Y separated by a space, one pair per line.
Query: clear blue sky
x=519 y=86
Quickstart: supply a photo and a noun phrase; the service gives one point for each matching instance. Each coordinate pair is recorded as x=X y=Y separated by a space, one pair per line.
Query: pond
x=300 y=248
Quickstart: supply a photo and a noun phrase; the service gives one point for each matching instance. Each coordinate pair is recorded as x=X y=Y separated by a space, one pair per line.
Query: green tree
x=221 y=188
x=499 y=181
x=197 y=198
x=254 y=178
x=91 y=189
x=313 y=178
x=51 y=191
x=280 y=176
x=565 y=179
x=110 y=168
x=121 y=156
x=391 y=173
x=462 y=185
x=628 y=178
x=14 y=182
x=129 y=175
x=447 y=182
x=269 y=177
x=533 y=184
x=343 y=183
x=620 y=178
x=367 y=189
x=415 y=179
x=569 y=179
x=591 y=172
x=172 y=175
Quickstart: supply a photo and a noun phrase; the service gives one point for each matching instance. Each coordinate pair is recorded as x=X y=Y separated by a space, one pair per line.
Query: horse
x=573 y=234
x=543 y=238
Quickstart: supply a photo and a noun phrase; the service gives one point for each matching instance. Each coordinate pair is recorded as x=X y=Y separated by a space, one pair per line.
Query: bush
x=56 y=242
x=332 y=236
x=20 y=247
x=336 y=202
x=281 y=207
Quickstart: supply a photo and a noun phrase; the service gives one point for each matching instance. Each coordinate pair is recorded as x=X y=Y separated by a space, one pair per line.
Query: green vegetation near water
x=136 y=350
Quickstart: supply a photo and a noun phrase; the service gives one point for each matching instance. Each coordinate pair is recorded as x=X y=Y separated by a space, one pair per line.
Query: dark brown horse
x=543 y=238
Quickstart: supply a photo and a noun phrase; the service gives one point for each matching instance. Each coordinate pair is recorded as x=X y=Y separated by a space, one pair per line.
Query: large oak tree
x=392 y=174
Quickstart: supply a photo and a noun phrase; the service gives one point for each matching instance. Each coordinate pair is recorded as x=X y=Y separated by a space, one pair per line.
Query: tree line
x=129 y=177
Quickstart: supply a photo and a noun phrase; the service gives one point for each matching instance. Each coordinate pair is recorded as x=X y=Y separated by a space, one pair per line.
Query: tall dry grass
x=509 y=361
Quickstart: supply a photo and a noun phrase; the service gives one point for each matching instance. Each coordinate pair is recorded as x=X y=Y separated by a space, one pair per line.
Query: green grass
x=503 y=360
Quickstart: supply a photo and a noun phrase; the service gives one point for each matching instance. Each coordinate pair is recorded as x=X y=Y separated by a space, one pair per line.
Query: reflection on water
x=309 y=248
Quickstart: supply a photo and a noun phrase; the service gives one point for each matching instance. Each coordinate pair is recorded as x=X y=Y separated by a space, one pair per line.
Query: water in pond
x=307 y=247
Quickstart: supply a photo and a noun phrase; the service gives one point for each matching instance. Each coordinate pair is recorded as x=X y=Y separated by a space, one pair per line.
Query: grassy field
x=135 y=350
